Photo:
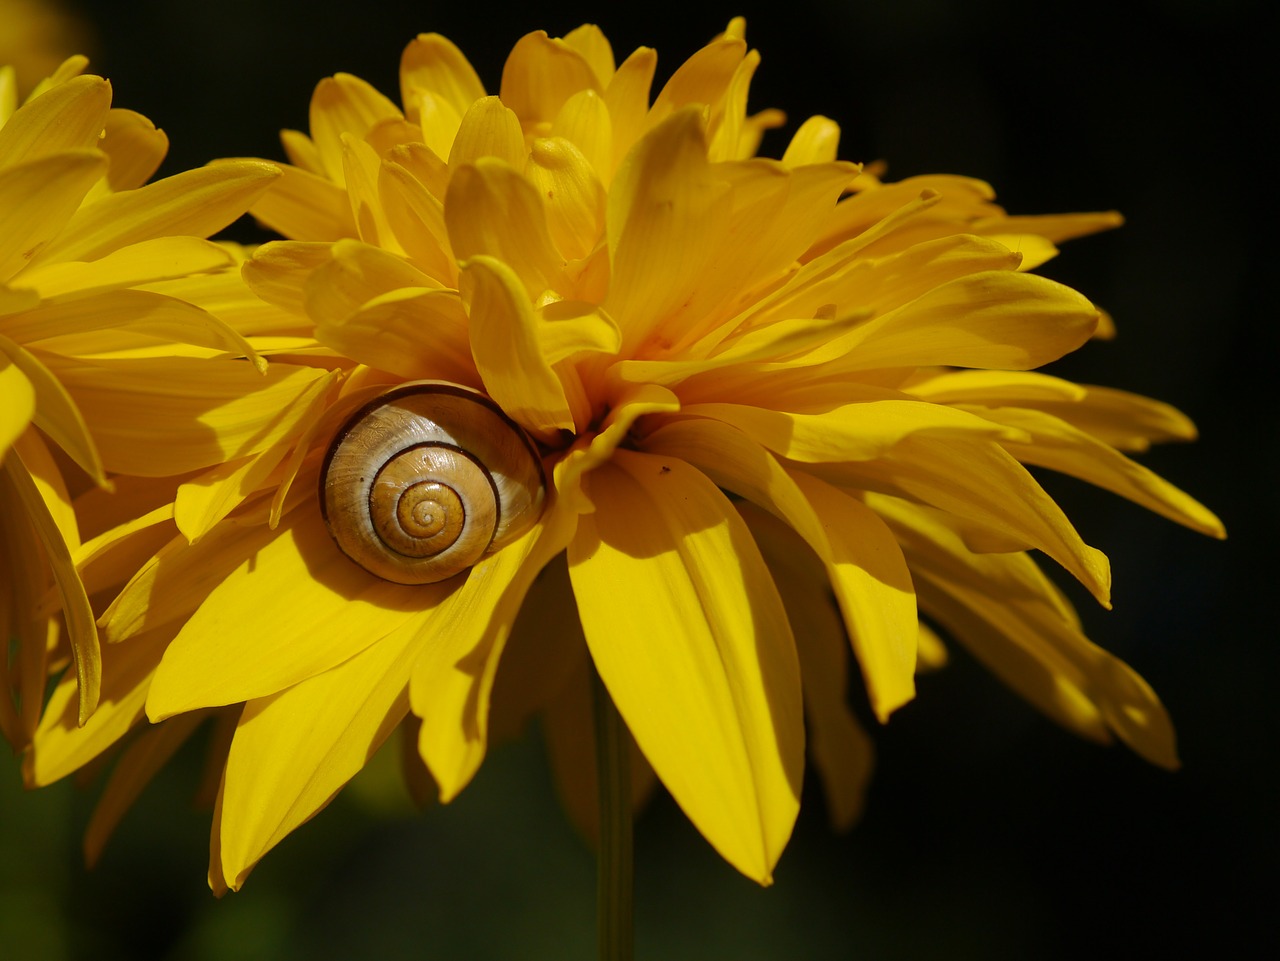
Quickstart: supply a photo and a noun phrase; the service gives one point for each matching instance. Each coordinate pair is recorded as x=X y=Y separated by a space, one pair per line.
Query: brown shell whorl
x=422 y=482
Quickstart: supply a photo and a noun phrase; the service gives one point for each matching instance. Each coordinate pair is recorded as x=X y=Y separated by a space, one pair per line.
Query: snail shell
x=425 y=480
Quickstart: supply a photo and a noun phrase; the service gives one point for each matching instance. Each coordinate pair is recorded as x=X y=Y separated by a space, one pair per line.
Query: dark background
x=989 y=833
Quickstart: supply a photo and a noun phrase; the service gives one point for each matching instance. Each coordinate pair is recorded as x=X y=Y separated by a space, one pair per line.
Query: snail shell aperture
x=425 y=480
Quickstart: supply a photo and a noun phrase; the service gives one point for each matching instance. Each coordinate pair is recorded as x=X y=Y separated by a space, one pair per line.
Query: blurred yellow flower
x=747 y=385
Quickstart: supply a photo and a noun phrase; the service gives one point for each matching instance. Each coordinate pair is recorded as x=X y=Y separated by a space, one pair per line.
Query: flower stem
x=615 y=864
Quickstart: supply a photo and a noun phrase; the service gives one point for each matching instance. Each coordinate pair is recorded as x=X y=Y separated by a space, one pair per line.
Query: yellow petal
x=983 y=484
x=303 y=205
x=852 y=432
x=167 y=318
x=593 y=46
x=696 y=652
x=135 y=146
x=1055 y=667
x=575 y=199
x=667 y=219
x=862 y=559
x=842 y=751
x=360 y=164
x=69 y=116
x=291 y=609
x=56 y=413
x=1055 y=228
x=344 y=104
x=37 y=198
x=996 y=319
x=17 y=402
x=198 y=202
x=61 y=746
x=488 y=129
x=626 y=407
x=585 y=122
x=540 y=74
x=418 y=334
x=416 y=218
x=82 y=633
x=433 y=63
x=815 y=141
x=627 y=97
x=504 y=342
x=702 y=79
x=356 y=274
x=492 y=209
x=462 y=643
x=293 y=751
x=1059 y=446
x=278 y=272
x=994 y=388
x=730 y=132
x=570 y=328
x=164 y=258
x=172 y=415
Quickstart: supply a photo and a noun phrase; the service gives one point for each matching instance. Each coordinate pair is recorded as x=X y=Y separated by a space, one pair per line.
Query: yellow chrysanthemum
x=95 y=272
x=751 y=384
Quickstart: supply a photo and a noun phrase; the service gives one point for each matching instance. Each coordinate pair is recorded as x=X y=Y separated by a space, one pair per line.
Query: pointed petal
x=575 y=200
x=1059 y=446
x=302 y=205
x=37 y=199
x=1001 y=319
x=165 y=258
x=433 y=63
x=56 y=413
x=863 y=562
x=61 y=746
x=197 y=202
x=815 y=141
x=344 y=104
x=295 y=750
x=167 y=318
x=69 y=116
x=627 y=97
x=492 y=209
x=667 y=218
x=983 y=484
x=418 y=334
x=310 y=609
x=17 y=402
x=489 y=129
x=696 y=653
x=540 y=74
x=461 y=646
x=504 y=342
x=82 y=633
x=1044 y=658
x=852 y=432
x=144 y=413
x=842 y=751
x=135 y=146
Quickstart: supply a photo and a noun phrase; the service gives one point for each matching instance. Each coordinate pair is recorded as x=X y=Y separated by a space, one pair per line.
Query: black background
x=989 y=833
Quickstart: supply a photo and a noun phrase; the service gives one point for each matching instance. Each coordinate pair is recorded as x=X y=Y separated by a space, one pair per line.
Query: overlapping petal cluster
x=99 y=292
x=756 y=385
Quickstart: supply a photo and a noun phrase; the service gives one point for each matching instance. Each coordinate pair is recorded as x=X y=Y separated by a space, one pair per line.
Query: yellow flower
x=94 y=270
x=751 y=385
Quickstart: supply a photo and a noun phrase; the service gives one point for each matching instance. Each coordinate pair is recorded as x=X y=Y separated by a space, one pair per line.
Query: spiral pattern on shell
x=422 y=482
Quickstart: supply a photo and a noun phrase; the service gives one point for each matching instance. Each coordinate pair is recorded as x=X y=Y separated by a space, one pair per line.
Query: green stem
x=614 y=883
